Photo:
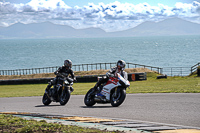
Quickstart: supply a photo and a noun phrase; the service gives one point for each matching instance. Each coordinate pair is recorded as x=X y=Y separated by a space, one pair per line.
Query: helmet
x=121 y=64
x=68 y=63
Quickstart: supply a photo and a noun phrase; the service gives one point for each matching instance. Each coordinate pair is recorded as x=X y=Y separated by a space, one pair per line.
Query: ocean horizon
x=157 y=51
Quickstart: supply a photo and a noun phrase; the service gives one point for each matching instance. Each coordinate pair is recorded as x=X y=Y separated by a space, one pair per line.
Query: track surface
x=170 y=108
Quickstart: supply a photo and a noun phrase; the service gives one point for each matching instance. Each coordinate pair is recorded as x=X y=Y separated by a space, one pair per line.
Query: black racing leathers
x=62 y=72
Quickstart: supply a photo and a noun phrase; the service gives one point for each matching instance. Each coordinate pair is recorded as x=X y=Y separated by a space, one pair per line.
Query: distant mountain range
x=172 y=26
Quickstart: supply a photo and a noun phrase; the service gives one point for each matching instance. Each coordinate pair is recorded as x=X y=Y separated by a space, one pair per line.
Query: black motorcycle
x=60 y=92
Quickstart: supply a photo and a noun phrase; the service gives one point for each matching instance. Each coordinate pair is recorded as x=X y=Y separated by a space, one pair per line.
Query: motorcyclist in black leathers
x=119 y=68
x=62 y=72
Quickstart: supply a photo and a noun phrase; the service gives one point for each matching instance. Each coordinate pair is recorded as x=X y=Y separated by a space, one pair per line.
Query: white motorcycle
x=114 y=91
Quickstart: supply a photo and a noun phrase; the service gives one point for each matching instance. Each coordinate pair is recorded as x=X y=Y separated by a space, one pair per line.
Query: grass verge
x=151 y=85
x=12 y=124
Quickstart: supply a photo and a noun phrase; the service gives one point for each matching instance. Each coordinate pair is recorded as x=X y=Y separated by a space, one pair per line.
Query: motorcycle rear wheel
x=64 y=97
x=119 y=99
x=45 y=99
x=89 y=98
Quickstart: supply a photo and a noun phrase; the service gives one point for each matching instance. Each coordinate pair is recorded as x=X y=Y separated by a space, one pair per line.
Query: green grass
x=169 y=85
x=151 y=85
x=9 y=123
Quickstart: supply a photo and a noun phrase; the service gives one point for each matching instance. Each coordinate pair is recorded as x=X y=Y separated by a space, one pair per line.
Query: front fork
x=115 y=93
x=69 y=88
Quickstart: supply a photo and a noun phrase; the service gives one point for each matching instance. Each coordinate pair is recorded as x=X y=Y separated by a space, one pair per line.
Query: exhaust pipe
x=96 y=99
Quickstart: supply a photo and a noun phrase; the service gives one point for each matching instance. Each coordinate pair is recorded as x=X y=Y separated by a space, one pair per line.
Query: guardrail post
x=198 y=71
x=171 y=71
x=87 y=67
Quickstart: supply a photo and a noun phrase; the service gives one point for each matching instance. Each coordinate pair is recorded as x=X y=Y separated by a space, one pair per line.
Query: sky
x=109 y=15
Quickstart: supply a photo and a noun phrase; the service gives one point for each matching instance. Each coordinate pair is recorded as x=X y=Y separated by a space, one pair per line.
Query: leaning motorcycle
x=59 y=93
x=114 y=91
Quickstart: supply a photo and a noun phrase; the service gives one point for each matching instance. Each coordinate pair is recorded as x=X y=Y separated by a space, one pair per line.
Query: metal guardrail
x=29 y=71
x=170 y=71
x=80 y=67
x=194 y=68
x=180 y=71
x=177 y=71
x=105 y=66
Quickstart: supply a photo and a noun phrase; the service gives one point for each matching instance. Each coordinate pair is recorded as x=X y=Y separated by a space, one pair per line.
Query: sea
x=156 y=51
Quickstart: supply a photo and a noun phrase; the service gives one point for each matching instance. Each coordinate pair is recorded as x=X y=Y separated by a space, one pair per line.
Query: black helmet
x=68 y=63
x=121 y=64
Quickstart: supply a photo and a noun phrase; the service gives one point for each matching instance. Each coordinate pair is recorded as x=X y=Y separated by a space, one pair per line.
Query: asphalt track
x=167 y=108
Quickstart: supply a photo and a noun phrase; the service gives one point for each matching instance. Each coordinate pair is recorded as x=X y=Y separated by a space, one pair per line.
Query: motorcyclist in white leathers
x=119 y=68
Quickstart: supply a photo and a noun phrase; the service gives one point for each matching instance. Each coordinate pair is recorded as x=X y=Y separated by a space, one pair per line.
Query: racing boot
x=97 y=85
x=71 y=89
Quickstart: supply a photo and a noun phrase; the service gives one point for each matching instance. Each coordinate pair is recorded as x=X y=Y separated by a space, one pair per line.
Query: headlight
x=66 y=82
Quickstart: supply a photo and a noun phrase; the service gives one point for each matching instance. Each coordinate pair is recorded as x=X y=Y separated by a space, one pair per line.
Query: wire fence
x=177 y=71
x=170 y=71
x=80 y=67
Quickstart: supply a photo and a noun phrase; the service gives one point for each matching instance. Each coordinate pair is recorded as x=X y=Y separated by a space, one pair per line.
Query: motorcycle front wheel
x=45 y=99
x=118 y=99
x=89 y=98
x=64 y=97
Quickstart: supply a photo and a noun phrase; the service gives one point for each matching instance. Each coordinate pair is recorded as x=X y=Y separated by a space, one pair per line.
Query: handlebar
x=64 y=77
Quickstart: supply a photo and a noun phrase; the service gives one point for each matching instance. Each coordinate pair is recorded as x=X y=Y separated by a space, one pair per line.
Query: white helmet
x=121 y=64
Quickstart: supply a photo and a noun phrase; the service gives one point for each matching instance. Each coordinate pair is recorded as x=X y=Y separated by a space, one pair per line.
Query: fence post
x=171 y=71
x=198 y=71
x=87 y=67
x=181 y=71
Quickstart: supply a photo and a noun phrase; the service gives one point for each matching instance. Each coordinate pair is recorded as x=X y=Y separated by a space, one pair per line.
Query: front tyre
x=119 y=99
x=64 y=97
x=89 y=98
x=45 y=99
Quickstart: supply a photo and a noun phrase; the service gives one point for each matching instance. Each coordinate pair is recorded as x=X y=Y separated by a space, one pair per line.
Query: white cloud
x=47 y=4
x=110 y=17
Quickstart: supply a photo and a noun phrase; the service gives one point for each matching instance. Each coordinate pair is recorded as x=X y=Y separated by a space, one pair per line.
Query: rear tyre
x=45 y=99
x=119 y=99
x=89 y=98
x=64 y=97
